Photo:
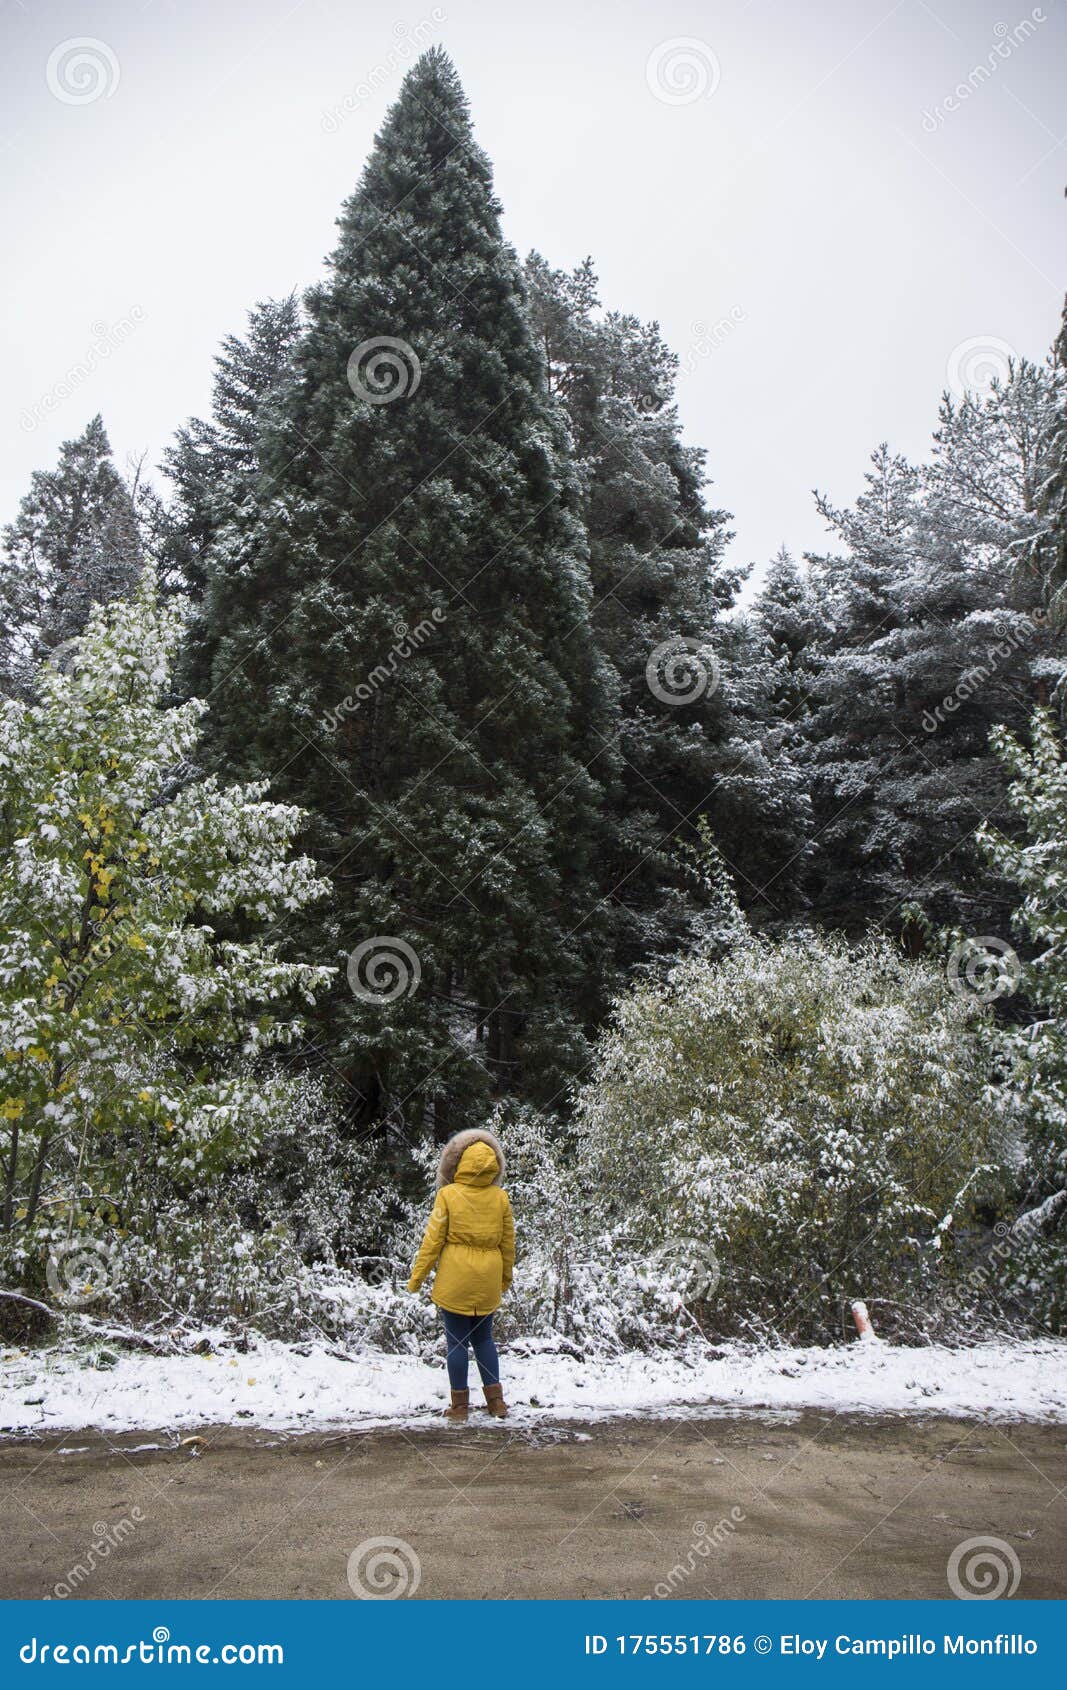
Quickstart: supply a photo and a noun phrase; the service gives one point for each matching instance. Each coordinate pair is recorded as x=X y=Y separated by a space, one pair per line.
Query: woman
x=470 y=1238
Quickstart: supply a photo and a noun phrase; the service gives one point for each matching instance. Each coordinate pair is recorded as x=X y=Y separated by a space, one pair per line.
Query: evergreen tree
x=991 y=455
x=74 y=543
x=1036 y=1265
x=213 y=464
x=1048 y=550
x=779 y=649
x=936 y=635
x=400 y=627
x=760 y=803
x=790 y=615
x=697 y=740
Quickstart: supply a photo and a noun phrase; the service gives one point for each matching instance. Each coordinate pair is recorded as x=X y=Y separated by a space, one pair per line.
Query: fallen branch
x=130 y=1337
x=30 y=1302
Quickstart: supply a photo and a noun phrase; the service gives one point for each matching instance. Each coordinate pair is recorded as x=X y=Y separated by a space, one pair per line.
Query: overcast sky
x=832 y=208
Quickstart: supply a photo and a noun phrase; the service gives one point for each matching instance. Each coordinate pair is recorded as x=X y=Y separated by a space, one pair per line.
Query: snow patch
x=276 y=1386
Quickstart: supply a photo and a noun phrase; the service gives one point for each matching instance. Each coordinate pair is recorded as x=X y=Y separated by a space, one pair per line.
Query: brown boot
x=494 y=1401
x=459 y=1406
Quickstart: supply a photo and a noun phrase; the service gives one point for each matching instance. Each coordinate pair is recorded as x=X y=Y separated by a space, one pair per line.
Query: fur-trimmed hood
x=457 y=1144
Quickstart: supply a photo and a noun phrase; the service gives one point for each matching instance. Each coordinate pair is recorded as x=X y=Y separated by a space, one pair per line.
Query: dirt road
x=687 y=1508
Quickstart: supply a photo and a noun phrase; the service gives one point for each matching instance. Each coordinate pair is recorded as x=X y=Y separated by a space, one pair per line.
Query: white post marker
x=863 y=1323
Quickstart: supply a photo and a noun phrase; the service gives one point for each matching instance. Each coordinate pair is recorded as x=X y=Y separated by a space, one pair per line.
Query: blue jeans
x=462 y=1330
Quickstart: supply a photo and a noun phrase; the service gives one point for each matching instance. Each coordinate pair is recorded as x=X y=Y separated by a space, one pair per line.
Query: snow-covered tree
x=692 y=684
x=990 y=463
x=213 y=463
x=74 y=543
x=789 y=614
x=1036 y=1265
x=1047 y=552
x=139 y=987
x=937 y=633
x=400 y=628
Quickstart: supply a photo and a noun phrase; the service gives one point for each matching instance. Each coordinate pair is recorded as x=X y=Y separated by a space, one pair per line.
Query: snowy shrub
x=801 y=1124
x=573 y=1289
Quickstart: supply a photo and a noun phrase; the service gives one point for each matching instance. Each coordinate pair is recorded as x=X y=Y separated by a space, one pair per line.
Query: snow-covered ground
x=285 y=1388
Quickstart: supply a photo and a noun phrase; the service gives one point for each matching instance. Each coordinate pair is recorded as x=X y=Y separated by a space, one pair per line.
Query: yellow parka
x=470 y=1237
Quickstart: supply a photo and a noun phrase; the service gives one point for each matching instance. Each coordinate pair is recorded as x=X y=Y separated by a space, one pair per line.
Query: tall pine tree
x=74 y=543
x=720 y=759
x=697 y=745
x=400 y=639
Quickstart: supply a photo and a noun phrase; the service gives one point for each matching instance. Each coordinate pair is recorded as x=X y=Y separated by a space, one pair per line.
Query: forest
x=406 y=752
